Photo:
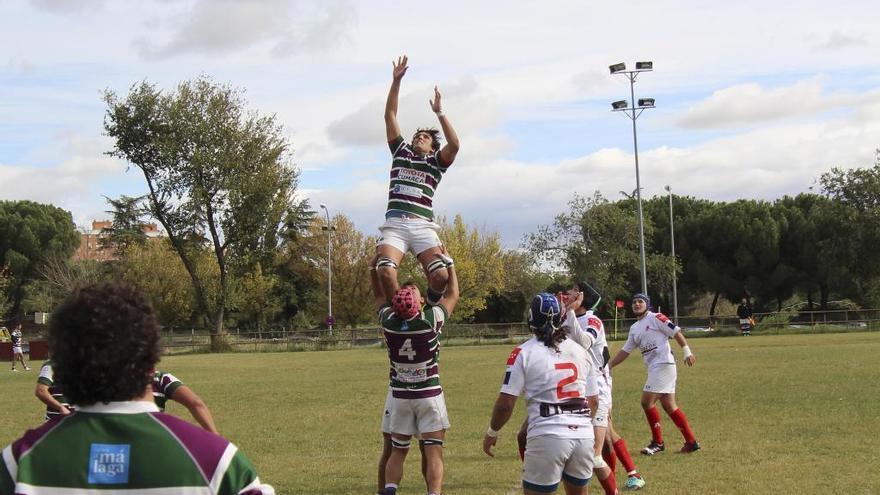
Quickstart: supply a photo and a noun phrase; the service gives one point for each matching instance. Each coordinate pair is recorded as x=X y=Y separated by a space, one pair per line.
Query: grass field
x=775 y=414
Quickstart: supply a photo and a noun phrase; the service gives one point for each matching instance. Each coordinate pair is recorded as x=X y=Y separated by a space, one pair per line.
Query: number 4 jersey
x=414 y=351
x=551 y=379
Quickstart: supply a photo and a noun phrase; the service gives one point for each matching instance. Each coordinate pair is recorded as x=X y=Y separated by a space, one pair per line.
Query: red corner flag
x=618 y=303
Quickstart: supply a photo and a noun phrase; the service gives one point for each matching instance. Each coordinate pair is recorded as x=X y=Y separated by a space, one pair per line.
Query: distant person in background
x=744 y=312
x=650 y=334
x=164 y=385
x=104 y=341
x=17 y=352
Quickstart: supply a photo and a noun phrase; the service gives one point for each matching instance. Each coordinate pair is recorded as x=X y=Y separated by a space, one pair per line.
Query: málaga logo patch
x=108 y=463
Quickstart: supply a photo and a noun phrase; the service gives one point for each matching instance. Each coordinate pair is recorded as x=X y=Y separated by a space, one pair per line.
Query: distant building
x=91 y=248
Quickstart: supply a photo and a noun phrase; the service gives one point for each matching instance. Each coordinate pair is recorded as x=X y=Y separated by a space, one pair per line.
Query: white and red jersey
x=651 y=335
x=551 y=379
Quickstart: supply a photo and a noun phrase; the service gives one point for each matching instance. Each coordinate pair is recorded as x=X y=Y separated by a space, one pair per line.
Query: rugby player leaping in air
x=416 y=171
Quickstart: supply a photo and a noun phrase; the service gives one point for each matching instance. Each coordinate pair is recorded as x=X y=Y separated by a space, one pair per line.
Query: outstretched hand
x=400 y=67
x=435 y=103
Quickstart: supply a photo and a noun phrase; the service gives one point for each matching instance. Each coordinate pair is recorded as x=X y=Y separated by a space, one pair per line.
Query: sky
x=754 y=99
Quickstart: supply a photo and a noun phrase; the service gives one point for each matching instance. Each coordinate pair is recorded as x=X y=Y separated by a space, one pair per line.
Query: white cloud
x=750 y=104
x=72 y=182
x=214 y=27
x=514 y=197
x=67 y=6
x=838 y=41
x=470 y=106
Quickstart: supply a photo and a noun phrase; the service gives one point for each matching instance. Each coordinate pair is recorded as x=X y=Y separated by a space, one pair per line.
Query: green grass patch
x=775 y=414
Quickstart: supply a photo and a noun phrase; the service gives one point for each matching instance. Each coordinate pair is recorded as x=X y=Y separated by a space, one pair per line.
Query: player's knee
x=401 y=444
x=438 y=275
x=385 y=265
x=431 y=442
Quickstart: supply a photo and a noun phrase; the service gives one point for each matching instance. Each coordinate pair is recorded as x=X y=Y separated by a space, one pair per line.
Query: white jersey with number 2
x=551 y=377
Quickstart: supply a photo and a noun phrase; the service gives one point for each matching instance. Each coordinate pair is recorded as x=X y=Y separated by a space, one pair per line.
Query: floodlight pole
x=672 y=242
x=329 y=274
x=633 y=113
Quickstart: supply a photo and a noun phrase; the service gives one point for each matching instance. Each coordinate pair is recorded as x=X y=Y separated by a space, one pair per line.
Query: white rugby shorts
x=386 y=413
x=409 y=234
x=548 y=457
x=604 y=409
x=661 y=380
x=415 y=416
x=17 y=350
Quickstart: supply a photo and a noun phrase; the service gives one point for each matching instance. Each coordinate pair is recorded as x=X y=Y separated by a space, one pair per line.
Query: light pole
x=672 y=242
x=328 y=228
x=632 y=111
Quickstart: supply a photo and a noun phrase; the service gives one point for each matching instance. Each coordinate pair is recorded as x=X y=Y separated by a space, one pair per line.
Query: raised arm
x=392 y=128
x=450 y=149
x=378 y=293
x=451 y=296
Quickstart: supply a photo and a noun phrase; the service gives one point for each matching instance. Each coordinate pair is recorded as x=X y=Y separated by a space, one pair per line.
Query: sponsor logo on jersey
x=109 y=463
x=409 y=175
x=411 y=191
x=646 y=350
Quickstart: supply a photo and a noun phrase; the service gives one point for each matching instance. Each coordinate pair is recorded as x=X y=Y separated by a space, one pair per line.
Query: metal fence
x=279 y=338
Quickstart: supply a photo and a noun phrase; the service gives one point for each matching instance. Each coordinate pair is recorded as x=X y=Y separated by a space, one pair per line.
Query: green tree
x=598 y=241
x=298 y=268
x=157 y=270
x=257 y=298
x=522 y=279
x=5 y=284
x=858 y=187
x=127 y=225
x=30 y=233
x=478 y=264
x=352 y=252
x=215 y=173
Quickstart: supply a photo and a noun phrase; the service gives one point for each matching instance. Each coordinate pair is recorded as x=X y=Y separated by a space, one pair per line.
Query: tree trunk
x=219 y=342
x=810 y=299
x=823 y=297
x=712 y=311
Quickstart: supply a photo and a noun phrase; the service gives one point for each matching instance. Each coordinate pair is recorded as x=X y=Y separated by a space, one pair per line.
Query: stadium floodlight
x=328 y=228
x=672 y=244
x=632 y=111
x=617 y=68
